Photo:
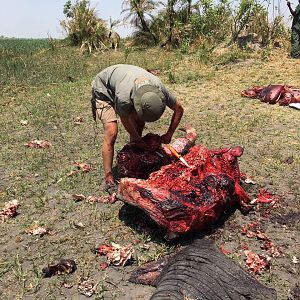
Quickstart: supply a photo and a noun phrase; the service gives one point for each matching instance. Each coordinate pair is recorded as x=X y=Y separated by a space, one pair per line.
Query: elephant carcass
x=200 y=271
x=182 y=199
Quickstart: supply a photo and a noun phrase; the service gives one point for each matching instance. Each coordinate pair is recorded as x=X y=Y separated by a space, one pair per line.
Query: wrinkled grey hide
x=200 y=271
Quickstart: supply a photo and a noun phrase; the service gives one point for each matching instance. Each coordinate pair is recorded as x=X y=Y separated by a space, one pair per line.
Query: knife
x=175 y=153
x=159 y=154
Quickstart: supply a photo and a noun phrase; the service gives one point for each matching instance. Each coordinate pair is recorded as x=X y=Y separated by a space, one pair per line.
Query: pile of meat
x=183 y=199
x=275 y=93
x=140 y=159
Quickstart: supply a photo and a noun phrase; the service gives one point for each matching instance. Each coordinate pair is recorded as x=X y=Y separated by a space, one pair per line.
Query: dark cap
x=149 y=102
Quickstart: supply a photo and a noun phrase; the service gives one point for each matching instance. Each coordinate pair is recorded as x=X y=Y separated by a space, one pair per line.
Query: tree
x=82 y=26
x=137 y=10
x=171 y=16
x=243 y=13
x=188 y=9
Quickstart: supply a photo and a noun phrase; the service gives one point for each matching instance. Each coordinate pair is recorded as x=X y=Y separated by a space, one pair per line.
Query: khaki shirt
x=116 y=85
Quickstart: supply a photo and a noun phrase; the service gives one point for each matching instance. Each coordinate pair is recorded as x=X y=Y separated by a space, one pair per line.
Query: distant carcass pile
x=275 y=93
x=176 y=197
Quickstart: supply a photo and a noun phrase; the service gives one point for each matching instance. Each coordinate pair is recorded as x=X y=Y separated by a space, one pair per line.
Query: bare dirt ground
x=213 y=105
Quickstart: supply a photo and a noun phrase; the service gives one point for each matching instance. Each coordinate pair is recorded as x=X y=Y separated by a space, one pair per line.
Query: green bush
x=231 y=57
x=204 y=52
x=83 y=27
x=266 y=30
x=212 y=14
x=183 y=24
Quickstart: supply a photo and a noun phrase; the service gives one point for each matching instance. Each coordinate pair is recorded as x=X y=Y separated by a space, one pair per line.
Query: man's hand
x=290 y=8
x=109 y=179
x=166 y=138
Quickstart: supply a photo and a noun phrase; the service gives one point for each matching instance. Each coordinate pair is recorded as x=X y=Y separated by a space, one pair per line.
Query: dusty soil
x=213 y=105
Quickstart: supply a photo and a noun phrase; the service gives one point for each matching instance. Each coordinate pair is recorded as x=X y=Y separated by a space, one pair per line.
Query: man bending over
x=136 y=96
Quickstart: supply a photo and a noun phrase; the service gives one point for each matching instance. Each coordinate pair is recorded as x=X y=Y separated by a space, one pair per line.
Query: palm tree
x=188 y=8
x=137 y=12
x=170 y=14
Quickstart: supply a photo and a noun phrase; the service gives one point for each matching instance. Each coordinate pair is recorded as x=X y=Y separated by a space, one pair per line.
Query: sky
x=41 y=18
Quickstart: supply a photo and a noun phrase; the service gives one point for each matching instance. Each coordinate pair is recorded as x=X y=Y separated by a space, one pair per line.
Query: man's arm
x=177 y=115
x=290 y=8
x=130 y=126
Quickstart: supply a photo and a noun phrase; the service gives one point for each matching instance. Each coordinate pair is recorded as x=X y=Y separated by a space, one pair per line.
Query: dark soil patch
x=291 y=218
x=296 y=292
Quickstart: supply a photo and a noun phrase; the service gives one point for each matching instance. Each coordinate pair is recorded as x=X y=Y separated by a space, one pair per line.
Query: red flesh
x=274 y=93
x=140 y=159
x=183 y=199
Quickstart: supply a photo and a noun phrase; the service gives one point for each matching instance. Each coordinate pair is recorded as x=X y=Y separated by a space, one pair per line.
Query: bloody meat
x=140 y=159
x=182 y=199
x=274 y=93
